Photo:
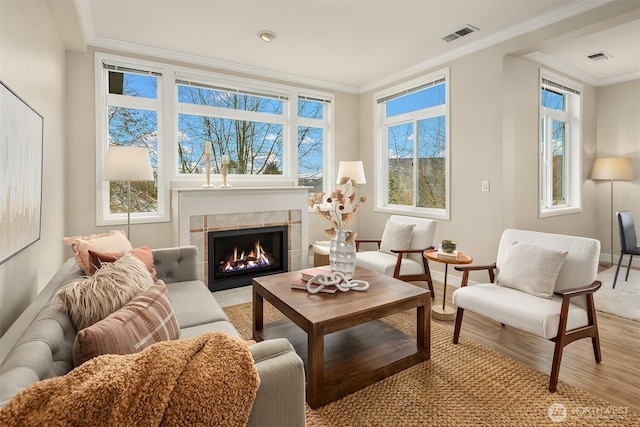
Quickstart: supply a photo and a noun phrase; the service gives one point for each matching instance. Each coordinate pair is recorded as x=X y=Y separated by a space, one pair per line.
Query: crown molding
x=121 y=46
x=565 y=68
x=621 y=78
x=579 y=74
x=84 y=16
x=571 y=9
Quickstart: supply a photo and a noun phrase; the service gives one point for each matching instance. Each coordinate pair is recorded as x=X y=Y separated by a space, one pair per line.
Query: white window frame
x=169 y=108
x=222 y=81
x=326 y=124
x=103 y=100
x=381 y=176
x=572 y=170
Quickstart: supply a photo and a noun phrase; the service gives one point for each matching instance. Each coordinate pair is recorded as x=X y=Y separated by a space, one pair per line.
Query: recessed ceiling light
x=266 y=35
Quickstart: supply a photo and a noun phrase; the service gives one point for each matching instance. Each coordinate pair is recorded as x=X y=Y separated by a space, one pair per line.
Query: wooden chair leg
x=427 y=273
x=595 y=338
x=456 y=330
x=555 y=367
x=561 y=340
x=430 y=283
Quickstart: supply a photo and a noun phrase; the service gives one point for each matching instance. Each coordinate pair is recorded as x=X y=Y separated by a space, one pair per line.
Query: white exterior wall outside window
x=412 y=154
x=273 y=135
x=560 y=145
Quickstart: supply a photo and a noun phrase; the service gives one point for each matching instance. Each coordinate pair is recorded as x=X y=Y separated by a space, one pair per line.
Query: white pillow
x=531 y=269
x=396 y=235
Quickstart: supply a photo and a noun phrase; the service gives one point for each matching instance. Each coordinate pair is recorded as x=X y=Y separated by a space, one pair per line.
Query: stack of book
x=446 y=255
x=310 y=273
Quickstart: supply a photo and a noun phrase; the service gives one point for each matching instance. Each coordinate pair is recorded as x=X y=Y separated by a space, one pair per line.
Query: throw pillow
x=143 y=253
x=92 y=299
x=531 y=269
x=145 y=320
x=114 y=241
x=396 y=235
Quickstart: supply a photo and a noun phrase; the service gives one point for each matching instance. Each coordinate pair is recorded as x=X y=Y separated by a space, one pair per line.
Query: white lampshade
x=352 y=169
x=612 y=168
x=127 y=164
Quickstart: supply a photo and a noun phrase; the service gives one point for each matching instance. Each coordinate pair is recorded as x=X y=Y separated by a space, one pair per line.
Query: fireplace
x=237 y=256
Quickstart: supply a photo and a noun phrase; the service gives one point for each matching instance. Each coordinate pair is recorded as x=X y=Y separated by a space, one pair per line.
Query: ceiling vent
x=468 y=29
x=599 y=56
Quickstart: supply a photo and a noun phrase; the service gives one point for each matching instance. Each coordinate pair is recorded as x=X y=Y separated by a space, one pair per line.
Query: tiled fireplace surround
x=199 y=211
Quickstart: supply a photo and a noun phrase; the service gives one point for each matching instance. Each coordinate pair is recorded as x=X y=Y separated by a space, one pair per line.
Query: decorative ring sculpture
x=338 y=280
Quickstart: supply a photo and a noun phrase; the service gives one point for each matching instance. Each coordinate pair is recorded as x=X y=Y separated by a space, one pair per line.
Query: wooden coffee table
x=339 y=336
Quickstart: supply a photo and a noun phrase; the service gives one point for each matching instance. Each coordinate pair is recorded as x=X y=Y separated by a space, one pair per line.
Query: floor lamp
x=126 y=163
x=612 y=168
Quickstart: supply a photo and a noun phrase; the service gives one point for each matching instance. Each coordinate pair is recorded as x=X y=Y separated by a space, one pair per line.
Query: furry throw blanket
x=208 y=380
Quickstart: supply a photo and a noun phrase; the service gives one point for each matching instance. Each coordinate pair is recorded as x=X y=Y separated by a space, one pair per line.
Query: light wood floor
x=616 y=379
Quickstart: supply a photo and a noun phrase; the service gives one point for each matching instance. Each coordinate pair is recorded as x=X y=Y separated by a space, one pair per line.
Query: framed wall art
x=21 y=144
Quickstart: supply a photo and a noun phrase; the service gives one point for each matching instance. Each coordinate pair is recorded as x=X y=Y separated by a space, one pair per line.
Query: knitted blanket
x=208 y=380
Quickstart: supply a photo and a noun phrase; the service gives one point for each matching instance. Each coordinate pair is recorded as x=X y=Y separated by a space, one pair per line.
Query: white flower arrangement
x=340 y=207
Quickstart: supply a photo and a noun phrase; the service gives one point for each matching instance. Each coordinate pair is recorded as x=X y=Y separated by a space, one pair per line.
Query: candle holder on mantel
x=207 y=168
x=225 y=171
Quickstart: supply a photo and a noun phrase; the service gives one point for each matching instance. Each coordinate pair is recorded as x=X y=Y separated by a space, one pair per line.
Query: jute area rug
x=461 y=385
x=624 y=300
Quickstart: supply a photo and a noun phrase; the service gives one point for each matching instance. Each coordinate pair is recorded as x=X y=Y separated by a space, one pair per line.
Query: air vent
x=599 y=56
x=468 y=29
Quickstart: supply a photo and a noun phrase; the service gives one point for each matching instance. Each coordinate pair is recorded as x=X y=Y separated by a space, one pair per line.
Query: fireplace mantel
x=196 y=211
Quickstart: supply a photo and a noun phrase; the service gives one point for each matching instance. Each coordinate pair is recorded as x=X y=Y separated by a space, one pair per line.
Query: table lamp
x=352 y=169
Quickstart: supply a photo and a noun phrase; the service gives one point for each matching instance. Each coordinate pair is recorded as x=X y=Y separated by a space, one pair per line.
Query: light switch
x=485 y=186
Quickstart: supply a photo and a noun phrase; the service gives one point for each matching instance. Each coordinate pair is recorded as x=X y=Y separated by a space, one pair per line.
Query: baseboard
x=606 y=258
x=452 y=280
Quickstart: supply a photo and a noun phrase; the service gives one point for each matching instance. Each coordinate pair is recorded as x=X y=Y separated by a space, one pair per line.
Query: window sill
x=122 y=220
x=559 y=211
x=409 y=211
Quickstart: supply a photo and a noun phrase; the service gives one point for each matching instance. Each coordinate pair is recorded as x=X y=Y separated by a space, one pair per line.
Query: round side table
x=445 y=312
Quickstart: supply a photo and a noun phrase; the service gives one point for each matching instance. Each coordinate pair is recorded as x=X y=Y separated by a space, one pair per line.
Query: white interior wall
x=493 y=137
x=32 y=65
x=618 y=135
x=81 y=150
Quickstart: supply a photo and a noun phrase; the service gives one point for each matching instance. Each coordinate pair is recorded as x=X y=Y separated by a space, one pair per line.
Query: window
x=132 y=106
x=560 y=145
x=248 y=127
x=313 y=132
x=413 y=147
x=272 y=134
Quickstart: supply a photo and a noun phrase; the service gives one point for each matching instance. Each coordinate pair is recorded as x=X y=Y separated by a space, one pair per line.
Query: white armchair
x=544 y=285
x=399 y=251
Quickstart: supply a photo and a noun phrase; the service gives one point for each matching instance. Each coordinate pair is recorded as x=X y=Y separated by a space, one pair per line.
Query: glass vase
x=342 y=254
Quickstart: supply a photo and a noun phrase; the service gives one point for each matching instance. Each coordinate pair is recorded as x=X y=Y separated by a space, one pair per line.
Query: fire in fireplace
x=241 y=261
x=237 y=256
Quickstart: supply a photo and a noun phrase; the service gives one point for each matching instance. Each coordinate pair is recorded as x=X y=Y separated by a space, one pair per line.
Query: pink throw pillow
x=112 y=242
x=145 y=320
x=143 y=253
